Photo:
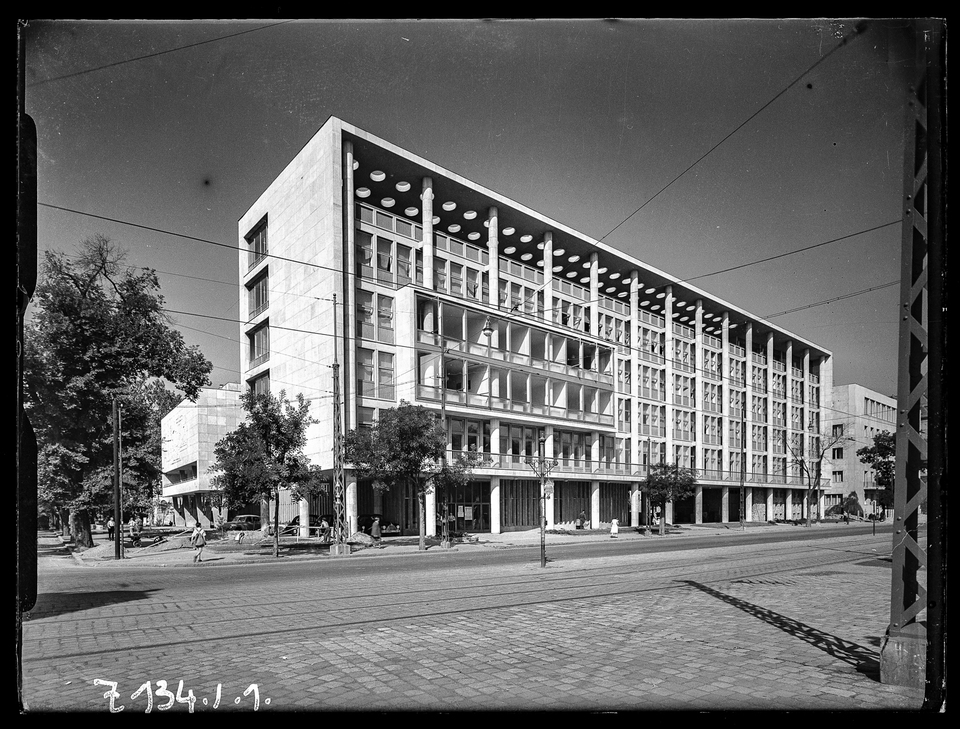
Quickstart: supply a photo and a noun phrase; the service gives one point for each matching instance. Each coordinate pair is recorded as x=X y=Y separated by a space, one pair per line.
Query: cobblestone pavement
x=788 y=626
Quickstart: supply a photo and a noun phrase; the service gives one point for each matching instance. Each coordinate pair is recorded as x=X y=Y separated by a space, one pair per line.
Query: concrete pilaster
x=493 y=249
x=698 y=504
x=350 y=501
x=304 y=513
x=769 y=504
x=431 y=517
x=426 y=197
x=594 y=295
x=748 y=501
x=634 y=505
x=594 y=504
x=724 y=504
x=495 y=519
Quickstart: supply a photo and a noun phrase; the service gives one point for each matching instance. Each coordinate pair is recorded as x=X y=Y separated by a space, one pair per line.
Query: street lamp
x=541 y=467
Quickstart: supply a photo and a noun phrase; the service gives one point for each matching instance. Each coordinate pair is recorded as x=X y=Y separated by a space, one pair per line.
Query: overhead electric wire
x=155 y=55
x=858 y=29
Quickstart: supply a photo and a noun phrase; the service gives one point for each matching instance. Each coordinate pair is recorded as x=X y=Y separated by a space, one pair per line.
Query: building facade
x=190 y=432
x=859 y=413
x=422 y=286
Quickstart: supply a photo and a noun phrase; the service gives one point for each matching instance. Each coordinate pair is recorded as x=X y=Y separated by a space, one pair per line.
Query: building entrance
x=468 y=508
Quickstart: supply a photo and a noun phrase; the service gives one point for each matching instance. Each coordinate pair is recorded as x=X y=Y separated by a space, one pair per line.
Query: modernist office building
x=858 y=413
x=429 y=288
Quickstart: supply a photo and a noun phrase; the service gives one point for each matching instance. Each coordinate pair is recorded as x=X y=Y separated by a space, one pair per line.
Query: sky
x=694 y=145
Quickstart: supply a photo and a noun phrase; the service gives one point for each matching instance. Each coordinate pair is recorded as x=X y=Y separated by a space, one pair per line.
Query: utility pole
x=340 y=546
x=542 y=467
x=743 y=465
x=118 y=529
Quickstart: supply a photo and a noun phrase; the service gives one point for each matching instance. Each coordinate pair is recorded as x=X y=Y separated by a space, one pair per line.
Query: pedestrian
x=134 y=532
x=375 y=531
x=324 y=529
x=846 y=519
x=111 y=527
x=614 y=528
x=582 y=520
x=198 y=539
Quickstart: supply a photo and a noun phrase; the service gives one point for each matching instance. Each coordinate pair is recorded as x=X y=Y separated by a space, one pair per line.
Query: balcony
x=682 y=366
x=683 y=331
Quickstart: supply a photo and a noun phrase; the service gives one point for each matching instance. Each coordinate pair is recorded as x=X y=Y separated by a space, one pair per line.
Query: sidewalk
x=176 y=551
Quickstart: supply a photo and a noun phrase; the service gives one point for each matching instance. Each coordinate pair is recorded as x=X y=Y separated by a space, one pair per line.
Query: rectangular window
x=257 y=240
x=837 y=431
x=258 y=296
x=365 y=325
x=364 y=251
x=366 y=385
x=260 y=385
x=385 y=319
x=838 y=476
x=365 y=417
x=404 y=264
x=387 y=389
x=384 y=259
x=259 y=341
x=837 y=454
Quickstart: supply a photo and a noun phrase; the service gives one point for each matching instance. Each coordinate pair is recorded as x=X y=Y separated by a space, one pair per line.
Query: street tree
x=665 y=483
x=264 y=456
x=881 y=457
x=98 y=332
x=807 y=453
x=406 y=448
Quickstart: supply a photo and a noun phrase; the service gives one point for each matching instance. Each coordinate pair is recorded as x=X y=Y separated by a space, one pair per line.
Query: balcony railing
x=432 y=393
x=683 y=331
x=652 y=319
x=682 y=366
x=779 y=366
x=259 y=359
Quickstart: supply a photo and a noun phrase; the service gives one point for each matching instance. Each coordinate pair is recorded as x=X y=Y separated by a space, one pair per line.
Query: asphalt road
x=605 y=627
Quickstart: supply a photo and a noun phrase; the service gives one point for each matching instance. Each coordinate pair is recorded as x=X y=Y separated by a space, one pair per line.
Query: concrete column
x=634 y=505
x=748 y=504
x=493 y=249
x=350 y=496
x=594 y=295
x=724 y=504
x=427 y=198
x=304 y=513
x=725 y=393
x=820 y=502
x=698 y=504
x=594 y=504
x=547 y=269
x=495 y=524
x=669 y=513
x=431 y=517
x=349 y=291
x=805 y=506
x=668 y=352
x=548 y=504
x=634 y=364
x=788 y=504
x=769 y=504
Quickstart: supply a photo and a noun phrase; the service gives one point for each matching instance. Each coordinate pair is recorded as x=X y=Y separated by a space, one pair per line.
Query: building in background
x=428 y=288
x=860 y=414
x=190 y=432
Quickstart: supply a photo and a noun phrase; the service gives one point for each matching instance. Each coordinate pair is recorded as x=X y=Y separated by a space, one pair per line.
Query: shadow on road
x=51 y=604
x=864 y=660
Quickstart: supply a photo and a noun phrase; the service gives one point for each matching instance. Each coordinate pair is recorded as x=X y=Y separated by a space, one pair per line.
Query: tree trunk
x=64 y=522
x=663 y=518
x=276 y=524
x=80 y=527
x=422 y=500
x=264 y=517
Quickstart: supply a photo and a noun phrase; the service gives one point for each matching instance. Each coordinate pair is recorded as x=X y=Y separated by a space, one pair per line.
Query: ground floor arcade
x=499 y=504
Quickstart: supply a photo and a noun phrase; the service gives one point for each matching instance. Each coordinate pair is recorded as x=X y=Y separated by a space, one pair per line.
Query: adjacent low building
x=858 y=414
x=423 y=286
x=190 y=432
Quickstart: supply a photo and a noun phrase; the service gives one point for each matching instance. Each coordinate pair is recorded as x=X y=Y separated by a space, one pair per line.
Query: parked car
x=243 y=523
x=365 y=521
x=293 y=526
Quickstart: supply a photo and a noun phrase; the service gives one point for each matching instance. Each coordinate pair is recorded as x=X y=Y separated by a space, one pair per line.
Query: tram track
x=484 y=593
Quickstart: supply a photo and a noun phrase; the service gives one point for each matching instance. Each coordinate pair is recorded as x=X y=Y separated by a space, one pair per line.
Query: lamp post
x=542 y=467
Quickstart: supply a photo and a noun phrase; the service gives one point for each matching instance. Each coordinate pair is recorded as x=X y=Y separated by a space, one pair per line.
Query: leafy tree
x=264 y=456
x=881 y=457
x=665 y=482
x=807 y=454
x=405 y=447
x=98 y=332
